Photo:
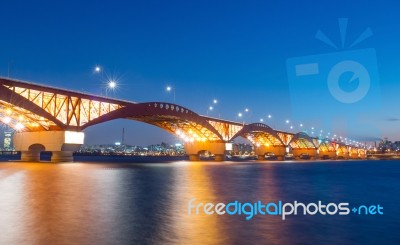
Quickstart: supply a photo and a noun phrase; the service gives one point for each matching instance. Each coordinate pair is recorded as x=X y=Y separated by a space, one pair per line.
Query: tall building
x=7 y=141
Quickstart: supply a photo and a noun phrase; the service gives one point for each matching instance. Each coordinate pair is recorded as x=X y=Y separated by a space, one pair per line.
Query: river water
x=122 y=203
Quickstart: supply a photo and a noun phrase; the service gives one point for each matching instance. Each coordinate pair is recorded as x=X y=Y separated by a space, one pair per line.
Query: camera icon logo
x=359 y=72
x=345 y=83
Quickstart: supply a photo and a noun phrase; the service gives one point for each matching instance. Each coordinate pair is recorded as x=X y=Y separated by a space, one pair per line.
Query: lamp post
x=210 y=108
x=287 y=122
x=169 y=89
x=239 y=115
x=269 y=120
x=112 y=84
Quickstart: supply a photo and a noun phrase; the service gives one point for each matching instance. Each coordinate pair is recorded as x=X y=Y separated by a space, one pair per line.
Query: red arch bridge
x=52 y=119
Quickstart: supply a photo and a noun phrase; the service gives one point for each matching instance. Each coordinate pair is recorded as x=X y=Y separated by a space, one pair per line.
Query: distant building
x=7 y=141
x=242 y=149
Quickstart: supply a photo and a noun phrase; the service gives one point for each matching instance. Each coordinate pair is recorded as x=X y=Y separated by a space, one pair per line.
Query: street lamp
x=209 y=109
x=99 y=70
x=169 y=89
x=215 y=101
x=111 y=85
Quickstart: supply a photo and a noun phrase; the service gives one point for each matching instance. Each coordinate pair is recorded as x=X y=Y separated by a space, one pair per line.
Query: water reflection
x=148 y=203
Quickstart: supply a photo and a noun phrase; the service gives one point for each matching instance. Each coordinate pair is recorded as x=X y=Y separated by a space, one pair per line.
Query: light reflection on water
x=77 y=203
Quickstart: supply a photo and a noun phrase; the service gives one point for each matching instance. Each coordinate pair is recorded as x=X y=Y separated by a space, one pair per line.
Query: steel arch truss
x=178 y=120
x=342 y=149
x=227 y=130
x=39 y=108
x=260 y=134
x=326 y=146
x=303 y=141
x=182 y=122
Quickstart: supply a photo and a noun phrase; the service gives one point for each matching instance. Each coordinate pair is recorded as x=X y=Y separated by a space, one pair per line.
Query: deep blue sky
x=233 y=51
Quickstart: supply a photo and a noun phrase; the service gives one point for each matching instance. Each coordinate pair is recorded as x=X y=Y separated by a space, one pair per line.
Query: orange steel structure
x=29 y=108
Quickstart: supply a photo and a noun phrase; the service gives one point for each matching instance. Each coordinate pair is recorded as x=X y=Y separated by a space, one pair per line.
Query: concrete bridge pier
x=327 y=155
x=194 y=157
x=312 y=152
x=62 y=156
x=219 y=157
x=30 y=156
x=279 y=151
x=62 y=144
x=194 y=148
x=362 y=154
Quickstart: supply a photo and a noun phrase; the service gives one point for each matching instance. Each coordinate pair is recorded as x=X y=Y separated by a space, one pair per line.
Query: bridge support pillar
x=342 y=155
x=217 y=148
x=260 y=157
x=62 y=156
x=310 y=151
x=61 y=143
x=327 y=155
x=194 y=157
x=362 y=154
x=30 y=156
x=219 y=157
x=279 y=151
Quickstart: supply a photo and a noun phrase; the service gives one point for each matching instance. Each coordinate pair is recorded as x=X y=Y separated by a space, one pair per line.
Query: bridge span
x=52 y=119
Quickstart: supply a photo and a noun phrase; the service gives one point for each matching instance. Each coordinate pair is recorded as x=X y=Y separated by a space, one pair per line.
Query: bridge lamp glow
x=287 y=121
x=291 y=127
x=261 y=120
x=210 y=108
x=7 y=120
x=246 y=110
x=19 y=126
x=240 y=114
x=8 y=111
x=215 y=101
x=97 y=69
x=301 y=125
x=269 y=116
x=112 y=84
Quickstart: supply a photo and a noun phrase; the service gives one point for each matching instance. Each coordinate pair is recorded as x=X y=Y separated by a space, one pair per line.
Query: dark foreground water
x=89 y=203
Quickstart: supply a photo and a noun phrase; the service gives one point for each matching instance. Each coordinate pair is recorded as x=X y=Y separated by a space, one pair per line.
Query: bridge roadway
x=52 y=119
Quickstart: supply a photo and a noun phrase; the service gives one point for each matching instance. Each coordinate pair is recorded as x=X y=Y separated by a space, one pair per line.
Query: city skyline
x=238 y=59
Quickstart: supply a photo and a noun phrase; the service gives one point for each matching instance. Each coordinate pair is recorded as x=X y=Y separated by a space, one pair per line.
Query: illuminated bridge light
x=19 y=126
x=6 y=120
x=64 y=110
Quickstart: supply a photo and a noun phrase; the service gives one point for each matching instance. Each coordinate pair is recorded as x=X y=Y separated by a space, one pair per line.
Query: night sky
x=239 y=53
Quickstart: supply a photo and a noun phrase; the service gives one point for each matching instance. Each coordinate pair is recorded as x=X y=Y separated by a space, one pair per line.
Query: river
x=123 y=203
